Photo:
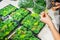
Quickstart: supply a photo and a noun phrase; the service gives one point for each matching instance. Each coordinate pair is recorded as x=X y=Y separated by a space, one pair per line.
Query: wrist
x=50 y=23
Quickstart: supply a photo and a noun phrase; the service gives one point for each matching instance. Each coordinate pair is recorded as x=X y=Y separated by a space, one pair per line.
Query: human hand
x=45 y=18
x=57 y=6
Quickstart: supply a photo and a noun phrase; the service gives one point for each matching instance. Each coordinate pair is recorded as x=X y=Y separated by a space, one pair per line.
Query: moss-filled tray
x=7 y=10
x=6 y=27
x=19 y=14
x=23 y=33
x=33 y=22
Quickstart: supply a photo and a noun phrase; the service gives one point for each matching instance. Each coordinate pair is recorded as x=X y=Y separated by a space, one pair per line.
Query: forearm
x=54 y=31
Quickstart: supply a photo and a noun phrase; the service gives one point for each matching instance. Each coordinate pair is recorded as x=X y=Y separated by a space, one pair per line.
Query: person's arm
x=54 y=31
x=46 y=19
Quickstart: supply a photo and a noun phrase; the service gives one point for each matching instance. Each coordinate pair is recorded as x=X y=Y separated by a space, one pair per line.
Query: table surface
x=45 y=33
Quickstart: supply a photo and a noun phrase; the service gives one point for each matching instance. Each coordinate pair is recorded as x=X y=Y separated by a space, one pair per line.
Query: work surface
x=45 y=33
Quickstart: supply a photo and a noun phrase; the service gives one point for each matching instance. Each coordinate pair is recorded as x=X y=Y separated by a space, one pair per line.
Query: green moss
x=6 y=10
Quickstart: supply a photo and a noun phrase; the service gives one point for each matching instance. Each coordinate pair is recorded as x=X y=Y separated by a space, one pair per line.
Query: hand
x=45 y=18
x=57 y=6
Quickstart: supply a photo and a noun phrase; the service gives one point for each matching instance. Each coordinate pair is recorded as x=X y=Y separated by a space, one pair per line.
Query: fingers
x=57 y=3
x=55 y=8
x=43 y=14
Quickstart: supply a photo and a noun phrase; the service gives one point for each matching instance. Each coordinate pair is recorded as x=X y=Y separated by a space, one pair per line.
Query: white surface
x=6 y=2
x=45 y=33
